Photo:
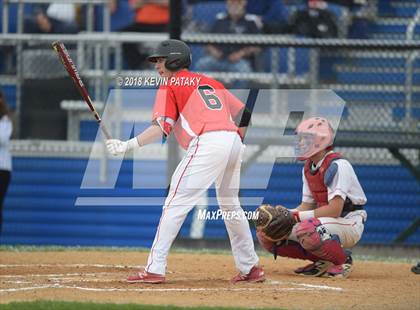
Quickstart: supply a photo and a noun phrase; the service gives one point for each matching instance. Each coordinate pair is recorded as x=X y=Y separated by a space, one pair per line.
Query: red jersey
x=191 y=104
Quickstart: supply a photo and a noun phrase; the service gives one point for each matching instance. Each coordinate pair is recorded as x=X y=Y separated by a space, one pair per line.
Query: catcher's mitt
x=275 y=223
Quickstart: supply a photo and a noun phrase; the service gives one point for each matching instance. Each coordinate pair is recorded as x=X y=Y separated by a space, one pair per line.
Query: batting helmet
x=176 y=52
x=313 y=135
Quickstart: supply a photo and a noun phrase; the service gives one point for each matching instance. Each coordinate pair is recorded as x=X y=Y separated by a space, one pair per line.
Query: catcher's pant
x=213 y=157
x=349 y=228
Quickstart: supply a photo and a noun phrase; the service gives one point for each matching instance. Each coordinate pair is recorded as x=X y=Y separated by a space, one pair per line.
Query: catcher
x=330 y=218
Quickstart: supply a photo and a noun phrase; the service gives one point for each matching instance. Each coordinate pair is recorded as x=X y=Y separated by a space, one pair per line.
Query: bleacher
x=384 y=71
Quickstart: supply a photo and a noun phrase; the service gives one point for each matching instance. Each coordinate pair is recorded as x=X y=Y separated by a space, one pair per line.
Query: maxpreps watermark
x=205 y=215
x=155 y=81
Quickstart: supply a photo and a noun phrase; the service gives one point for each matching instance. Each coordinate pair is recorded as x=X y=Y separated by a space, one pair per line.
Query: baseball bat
x=68 y=64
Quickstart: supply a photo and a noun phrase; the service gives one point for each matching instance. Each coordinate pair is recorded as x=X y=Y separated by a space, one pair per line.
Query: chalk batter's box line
x=304 y=286
x=201 y=289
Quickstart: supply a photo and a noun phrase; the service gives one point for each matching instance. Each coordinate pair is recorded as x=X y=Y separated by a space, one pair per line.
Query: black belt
x=350 y=207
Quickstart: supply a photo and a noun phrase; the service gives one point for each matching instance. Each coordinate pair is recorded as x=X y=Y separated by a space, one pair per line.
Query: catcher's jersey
x=344 y=184
x=191 y=104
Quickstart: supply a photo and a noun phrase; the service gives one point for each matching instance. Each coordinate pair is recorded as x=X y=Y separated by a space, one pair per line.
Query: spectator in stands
x=5 y=158
x=231 y=58
x=272 y=14
x=56 y=18
x=316 y=21
x=150 y=16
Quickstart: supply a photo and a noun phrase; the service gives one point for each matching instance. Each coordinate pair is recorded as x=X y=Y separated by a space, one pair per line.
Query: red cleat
x=146 y=277
x=256 y=274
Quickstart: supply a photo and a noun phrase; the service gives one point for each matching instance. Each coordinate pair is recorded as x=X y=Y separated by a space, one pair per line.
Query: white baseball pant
x=349 y=228
x=213 y=157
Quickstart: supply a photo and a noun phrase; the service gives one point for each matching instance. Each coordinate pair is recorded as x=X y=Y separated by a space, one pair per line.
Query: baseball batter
x=331 y=216
x=206 y=120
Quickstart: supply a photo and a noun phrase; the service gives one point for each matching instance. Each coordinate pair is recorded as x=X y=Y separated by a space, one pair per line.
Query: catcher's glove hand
x=275 y=223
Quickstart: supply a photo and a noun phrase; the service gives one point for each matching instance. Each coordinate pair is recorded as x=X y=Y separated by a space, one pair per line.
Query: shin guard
x=314 y=238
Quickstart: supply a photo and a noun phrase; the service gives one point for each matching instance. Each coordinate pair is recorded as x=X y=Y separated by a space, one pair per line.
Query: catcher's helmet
x=176 y=52
x=313 y=135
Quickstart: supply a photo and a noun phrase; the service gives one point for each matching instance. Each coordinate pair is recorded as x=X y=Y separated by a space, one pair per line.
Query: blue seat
x=401 y=112
x=374 y=78
x=13 y=8
x=372 y=96
x=302 y=60
x=9 y=92
x=197 y=52
x=389 y=9
x=204 y=13
x=388 y=29
x=122 y=17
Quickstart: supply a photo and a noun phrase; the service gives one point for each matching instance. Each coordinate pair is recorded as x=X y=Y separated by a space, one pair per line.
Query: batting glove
x=117 y=147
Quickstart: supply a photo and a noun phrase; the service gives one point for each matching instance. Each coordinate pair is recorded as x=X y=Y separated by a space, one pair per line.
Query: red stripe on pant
x=169 y=203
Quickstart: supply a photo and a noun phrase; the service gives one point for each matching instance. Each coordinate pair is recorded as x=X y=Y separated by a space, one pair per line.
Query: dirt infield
x=201 y=280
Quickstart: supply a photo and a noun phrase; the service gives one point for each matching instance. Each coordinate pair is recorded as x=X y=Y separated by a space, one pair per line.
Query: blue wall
x=39 y=208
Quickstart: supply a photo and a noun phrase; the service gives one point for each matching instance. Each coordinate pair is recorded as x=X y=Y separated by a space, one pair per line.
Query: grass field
x=62 y=305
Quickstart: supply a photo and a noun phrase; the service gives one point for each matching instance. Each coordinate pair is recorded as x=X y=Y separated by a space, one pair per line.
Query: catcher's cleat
x=255 y=275
x=416 y=268
x=304 y=268
x=340 y=271
x=315 y=269
x=146 y=277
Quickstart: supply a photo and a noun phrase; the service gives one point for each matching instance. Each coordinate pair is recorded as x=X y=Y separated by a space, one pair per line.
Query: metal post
x=174 y=33
x=80 y=55
x=105 y=71
x=90 y=28
x=198 y=224
x=105 y=78
x=118 y=95
x=20 y=17
x=291 y=62
x=106 y=19
x=19 y=68
x=313 y=67
x=410 y=122
x=105 y=52
x=276 y=83
x=5 y=16
x=118 y=58
x=106 y=25
x=175 y=23
x=97 y=66
x=90 y=22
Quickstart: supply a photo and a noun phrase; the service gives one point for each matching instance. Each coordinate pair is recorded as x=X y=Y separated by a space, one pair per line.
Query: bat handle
x=105 y=131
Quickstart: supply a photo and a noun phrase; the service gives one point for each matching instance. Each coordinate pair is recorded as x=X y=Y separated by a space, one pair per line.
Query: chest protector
x=315 y=179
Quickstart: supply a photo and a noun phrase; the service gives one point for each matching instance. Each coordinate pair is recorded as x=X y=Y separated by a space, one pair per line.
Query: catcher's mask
x=176 y=52
x=312 y=136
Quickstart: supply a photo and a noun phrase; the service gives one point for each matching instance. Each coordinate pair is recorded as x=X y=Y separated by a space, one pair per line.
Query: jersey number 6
x=209 y=97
